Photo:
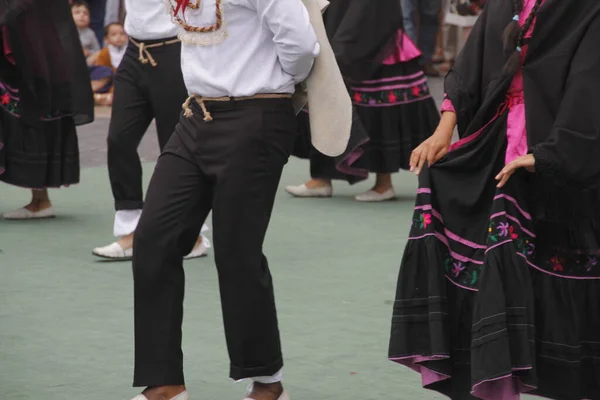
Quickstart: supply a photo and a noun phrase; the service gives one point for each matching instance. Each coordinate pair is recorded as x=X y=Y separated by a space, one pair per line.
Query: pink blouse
x=516 y=129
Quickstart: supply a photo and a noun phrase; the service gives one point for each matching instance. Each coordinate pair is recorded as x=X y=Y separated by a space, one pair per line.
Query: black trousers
x=231 y=166
x=142 y=93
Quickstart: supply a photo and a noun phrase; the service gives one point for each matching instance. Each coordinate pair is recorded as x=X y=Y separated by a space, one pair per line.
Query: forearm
x=447 y=124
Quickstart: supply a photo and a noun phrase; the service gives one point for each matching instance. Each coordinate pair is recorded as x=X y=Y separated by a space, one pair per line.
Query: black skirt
x=42 y=156
x=483 y=308
x=395 y=112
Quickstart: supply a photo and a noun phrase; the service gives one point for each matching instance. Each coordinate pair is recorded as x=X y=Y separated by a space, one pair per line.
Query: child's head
x=81 y=13
x=115 y=34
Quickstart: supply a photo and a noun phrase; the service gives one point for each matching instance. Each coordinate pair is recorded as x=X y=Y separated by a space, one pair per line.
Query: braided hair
x=514 y=35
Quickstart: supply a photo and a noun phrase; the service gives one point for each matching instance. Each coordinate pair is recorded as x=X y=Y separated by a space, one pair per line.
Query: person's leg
x=439 y=56
x=112 y=12
x=39 y=200
x=249 y=159
x=429 y=17
x=166 y=90
x=97 y=14
x=383 y=183
x=320 y=184
x=130 y=119
x=99 y=85
x=167 y=97
x=409 y=10
x=178 y=200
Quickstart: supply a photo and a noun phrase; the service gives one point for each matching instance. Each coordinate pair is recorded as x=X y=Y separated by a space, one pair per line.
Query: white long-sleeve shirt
x=148 y=20
x=265 y=46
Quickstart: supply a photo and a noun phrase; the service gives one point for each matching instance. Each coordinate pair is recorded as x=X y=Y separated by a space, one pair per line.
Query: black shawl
x=360 y=32
x=561 y=76
x=50 y=69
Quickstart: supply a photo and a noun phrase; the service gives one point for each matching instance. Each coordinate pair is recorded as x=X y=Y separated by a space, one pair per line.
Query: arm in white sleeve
x=294 y=36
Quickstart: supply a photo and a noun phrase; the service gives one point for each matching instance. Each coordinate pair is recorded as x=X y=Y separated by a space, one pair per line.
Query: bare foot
x=37 y=206
x=317 y=183
x=383 y=183
x=39 y=201
x=163 y=392
x=198 y=242
x=261 y=391
x=126 y=242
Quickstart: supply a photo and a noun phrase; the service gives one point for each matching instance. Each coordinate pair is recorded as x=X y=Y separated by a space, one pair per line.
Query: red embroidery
x=392 y=97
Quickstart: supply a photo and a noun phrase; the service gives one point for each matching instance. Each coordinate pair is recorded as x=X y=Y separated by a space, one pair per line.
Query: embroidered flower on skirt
x=509 y=225
x=388 y=92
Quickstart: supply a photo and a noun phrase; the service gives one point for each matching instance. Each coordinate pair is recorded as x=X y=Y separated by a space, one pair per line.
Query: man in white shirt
x=241 y=60
x=148 y=85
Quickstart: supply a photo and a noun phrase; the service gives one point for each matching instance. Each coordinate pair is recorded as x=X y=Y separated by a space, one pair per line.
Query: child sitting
x=111 y=56
x=101 y=77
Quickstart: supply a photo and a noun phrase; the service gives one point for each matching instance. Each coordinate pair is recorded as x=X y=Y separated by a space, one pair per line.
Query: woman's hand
x=436 y=147
x=527 y=162
x=431 y=150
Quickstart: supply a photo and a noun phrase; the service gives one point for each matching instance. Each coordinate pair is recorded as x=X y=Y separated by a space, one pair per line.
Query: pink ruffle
x=404 y=50
x=508 y=387
x=428 y=376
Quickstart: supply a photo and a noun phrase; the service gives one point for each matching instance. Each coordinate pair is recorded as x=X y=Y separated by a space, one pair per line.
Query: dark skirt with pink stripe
x=397 y=112
x=42 y=156
x=486 y=307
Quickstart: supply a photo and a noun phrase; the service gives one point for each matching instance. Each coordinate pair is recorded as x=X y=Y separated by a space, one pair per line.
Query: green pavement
x=66 y=319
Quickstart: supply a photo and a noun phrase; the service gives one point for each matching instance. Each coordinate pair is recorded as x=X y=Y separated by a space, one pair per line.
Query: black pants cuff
x=148 y=374
x=121 y=205
x=237 y=373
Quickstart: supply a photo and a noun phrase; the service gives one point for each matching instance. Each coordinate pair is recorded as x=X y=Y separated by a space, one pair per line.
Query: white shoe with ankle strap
x=181 y=396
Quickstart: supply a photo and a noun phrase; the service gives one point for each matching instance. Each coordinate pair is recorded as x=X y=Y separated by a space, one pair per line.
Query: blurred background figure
x=421 y=24
x=110 y=57
x=45 y=92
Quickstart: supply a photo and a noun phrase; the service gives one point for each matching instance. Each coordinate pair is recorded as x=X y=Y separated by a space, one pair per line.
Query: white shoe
x=200 y=250
x=372 y=196
x=23 y=213
x=113 y=251
x=284 y=395
x=181 y=396
x=303 y=191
